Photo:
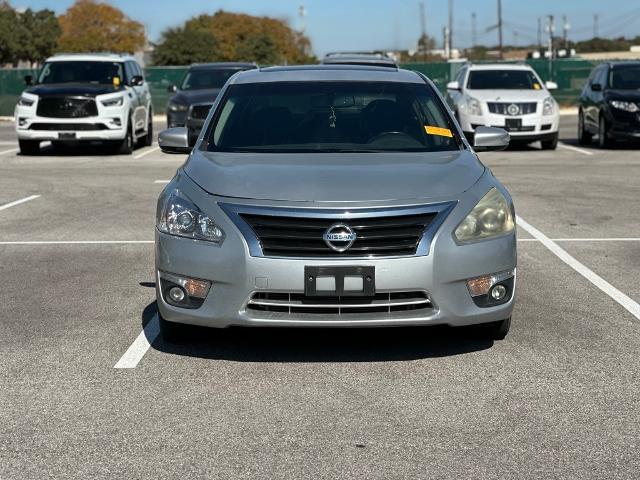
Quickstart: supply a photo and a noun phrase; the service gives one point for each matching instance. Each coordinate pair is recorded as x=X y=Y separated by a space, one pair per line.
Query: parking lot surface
x=559 y=398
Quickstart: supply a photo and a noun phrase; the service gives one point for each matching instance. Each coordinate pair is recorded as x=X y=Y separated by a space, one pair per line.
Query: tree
x=89 y=26
x=10 y=34
x=40 y=32
x=182 y=46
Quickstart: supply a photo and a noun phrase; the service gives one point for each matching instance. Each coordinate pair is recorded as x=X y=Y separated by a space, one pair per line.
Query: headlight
x=491 y=217
x=177 y=215
x=548 y=106
x=626 y=106
x=474 y=107
x=26 y=102
x=113 y=102
x=178 y=107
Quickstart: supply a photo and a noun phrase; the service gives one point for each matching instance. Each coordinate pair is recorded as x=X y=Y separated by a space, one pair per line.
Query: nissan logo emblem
x=339 y=237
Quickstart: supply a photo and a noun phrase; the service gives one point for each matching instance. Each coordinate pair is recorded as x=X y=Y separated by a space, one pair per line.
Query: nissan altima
x=334 y=196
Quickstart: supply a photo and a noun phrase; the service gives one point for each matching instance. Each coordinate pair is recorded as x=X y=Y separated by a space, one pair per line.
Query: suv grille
x=298 y=303
x=502 y=108
x=282 y=236
x=200 y=111
x=67 y=107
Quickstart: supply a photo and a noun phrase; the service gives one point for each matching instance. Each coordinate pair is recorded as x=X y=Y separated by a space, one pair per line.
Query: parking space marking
x=575 y=149
x=76 y=242
x=12 y=150
x=146 y=152
x=18 y=202
x=161 y=181
x=630 y=305
x=620 y=239
x=140 y=345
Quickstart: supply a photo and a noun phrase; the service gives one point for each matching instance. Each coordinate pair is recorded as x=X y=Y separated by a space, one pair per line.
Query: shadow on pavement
x=321 y=344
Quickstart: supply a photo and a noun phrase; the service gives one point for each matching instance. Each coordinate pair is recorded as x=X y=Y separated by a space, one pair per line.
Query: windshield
x=625 y=78
x=81 y=72
x=332 y=117
x=503 y=80
x=207 y=79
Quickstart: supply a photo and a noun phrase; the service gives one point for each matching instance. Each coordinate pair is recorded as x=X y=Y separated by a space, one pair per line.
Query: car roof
x=359 y=58
x=323 y=73
x=624 y=64
x=221 y=65
x=91 y=57
x=500 y=66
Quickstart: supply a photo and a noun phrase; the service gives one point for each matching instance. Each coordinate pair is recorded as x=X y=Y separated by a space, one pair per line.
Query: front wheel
x=125 y=146
x=550 y=144
x=584 y=137
x=604 y=141
x=29 y=147
x=148 y=138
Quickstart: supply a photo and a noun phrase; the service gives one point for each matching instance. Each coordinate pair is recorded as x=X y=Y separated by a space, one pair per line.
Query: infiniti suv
x=334 y=196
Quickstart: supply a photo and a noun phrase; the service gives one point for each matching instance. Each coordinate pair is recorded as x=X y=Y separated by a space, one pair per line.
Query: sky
x=390 y=24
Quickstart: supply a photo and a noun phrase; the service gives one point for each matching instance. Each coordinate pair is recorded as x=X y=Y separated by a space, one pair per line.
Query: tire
x=603 y=133
x=29 y=147
x=584 y=137
x=550 y=144
x=125 y=146
x=497 y=330
x=148 y=138
x=171 y=332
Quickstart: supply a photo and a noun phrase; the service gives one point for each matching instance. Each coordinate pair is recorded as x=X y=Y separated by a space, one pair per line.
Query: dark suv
x=610 y=104
x=198 y=90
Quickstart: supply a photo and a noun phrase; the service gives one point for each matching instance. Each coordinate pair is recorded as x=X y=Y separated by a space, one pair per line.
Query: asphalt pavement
x=559 y=398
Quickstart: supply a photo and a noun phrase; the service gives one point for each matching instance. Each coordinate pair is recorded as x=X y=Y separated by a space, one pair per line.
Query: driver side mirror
x=174 y=140
x=488 y=139
x=551 y=85
x=596 y=87
x=453 y=85
x=28 y=80
x=172 y=89
x=136 y=81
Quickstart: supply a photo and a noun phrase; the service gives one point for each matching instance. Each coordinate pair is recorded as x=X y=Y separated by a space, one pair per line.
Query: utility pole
x=445 y=34
x=474 y=38
x=515 y=38
x=423 y=31
x=565 y=32
x=595 y=25
x=302 y=12
x=539 y=33
x=500 y=28
x=551 y=29
x=450 y=29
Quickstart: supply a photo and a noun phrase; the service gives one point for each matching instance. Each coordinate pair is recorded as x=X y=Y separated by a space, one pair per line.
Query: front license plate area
x=513 y=124
x=340 y=281
x=67 y=135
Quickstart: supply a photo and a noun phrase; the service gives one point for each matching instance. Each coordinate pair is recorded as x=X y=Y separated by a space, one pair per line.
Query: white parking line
x=140 y=345
x=630 y=305
x=13 y=150
x=146 y=152
x=161 y=181
x=77 y=242
x=619 y=239
x=18 y=202
x=575 y=149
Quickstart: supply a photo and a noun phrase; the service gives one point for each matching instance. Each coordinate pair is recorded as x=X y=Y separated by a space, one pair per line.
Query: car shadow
x=320 y=344
x=80 y=150
x=593 y=146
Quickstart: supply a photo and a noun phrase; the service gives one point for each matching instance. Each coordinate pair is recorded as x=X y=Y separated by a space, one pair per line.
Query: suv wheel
x=148 y=138
x=126 y=144
x=603 y=133
x=29 y=147
x=550 y=144
x=584 y=137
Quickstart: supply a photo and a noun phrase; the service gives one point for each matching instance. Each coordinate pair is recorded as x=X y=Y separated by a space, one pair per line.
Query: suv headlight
x=178 y=107
x=626 y=106
x=26 y=102
x=491 y=217
x=113 y=102
x=548 y=106
x=474 y=107
x=177 y=215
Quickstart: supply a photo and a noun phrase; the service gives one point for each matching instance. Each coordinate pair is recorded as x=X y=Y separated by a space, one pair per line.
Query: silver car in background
x=334 y=196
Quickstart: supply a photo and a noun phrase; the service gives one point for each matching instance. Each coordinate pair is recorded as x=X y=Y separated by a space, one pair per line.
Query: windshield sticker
x=536 y=86
x=116 y=81
x=442 y=132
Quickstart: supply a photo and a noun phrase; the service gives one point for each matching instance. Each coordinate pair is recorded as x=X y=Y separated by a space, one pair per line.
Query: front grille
x=502 y=108
x=67 y=107
x=529 y=128
x=68 y=127
x=200 y=112
x=283 y=236
x=291 y=303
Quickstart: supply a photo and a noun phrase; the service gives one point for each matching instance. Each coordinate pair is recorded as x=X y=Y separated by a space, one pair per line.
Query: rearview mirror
x=28 y=80
x=172 y=89
x=596 y=87
x=453 y=85
x=174 y=140
x=551 y=85
x=490 y=139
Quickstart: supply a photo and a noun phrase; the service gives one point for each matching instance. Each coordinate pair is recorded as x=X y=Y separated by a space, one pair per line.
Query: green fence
x=570 y=75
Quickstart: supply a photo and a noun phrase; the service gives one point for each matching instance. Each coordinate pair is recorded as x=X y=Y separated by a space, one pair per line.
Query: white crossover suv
x=507 y=96
x=85 y=98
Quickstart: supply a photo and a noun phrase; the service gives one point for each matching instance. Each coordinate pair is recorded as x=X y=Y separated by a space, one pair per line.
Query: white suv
x=507 y=96
x=85 y=98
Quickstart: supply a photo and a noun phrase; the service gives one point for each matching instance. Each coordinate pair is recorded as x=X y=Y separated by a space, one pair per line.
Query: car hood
x=627 y=95
x=509 y=95
x=72 y=89
x=334 y=177
x=190 y=97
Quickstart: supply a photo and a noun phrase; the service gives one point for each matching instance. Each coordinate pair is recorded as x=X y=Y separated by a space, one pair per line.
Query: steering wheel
x=383 y=135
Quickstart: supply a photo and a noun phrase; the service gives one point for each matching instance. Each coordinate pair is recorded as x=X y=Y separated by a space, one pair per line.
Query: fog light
x=498 y=292
x=176 y=294
x=22 y=121
x=480 y=286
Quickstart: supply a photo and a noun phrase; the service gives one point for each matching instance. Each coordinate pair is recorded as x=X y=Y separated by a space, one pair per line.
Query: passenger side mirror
x=596 y=87
x=174 y=140
x=172 y=89
x=453 y=85
x=490 y=139
x=136 y=81
x=28 y=80
x=551 y=85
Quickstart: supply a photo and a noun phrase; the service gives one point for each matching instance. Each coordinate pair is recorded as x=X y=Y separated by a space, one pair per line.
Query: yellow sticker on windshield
x=116 y=81
x=536 y=86
x=443 y=132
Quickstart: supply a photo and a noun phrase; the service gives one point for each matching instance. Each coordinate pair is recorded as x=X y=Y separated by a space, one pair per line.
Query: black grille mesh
x=67 y=107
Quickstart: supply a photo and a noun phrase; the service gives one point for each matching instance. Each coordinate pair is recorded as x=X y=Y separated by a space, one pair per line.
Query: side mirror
x=596 y=87
x=172 y=89
x=453 y=85
x=28 y=80
x=174 y=140
x=551 y=85
x=490 y=139
x=136 y=81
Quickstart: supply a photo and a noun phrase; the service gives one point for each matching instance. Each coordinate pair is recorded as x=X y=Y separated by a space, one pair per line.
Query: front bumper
x=538 y=127
x=236 y=276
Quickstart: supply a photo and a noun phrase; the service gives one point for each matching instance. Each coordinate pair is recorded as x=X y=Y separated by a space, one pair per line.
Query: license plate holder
x=67 y=135
x=514 y=124
x=368 y=275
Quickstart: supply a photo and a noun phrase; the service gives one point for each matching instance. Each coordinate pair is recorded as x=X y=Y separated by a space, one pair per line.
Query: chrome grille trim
x=524 y=108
